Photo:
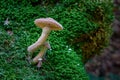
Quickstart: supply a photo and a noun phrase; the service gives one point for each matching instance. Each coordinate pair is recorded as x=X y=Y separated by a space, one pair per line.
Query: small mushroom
x=39 y=62
x=47 y=24
x=42 y=52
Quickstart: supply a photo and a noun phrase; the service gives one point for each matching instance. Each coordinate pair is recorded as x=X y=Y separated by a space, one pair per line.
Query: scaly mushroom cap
x=48 y=22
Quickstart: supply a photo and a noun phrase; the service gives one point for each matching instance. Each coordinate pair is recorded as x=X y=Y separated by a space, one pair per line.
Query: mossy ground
x=63 y=61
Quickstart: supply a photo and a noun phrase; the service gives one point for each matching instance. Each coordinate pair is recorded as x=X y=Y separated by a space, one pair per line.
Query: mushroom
x=39 y=62
x=47 y=24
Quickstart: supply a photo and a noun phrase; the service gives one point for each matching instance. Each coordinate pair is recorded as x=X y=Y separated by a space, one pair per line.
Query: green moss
x=21 y=32
x=64 y=60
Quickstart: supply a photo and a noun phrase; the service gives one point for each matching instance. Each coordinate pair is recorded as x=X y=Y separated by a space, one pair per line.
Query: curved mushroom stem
x=42 y=52
x=41 y=40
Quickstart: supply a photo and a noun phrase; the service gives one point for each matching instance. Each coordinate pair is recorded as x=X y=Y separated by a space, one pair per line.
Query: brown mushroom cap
x=48 y=22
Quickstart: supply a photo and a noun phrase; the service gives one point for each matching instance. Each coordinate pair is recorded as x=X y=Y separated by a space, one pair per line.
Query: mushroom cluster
x=47 y=25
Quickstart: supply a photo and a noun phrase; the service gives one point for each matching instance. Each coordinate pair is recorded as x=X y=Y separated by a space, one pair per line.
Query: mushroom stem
x=40 y=55
x=39 y=62
x=41 y=40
